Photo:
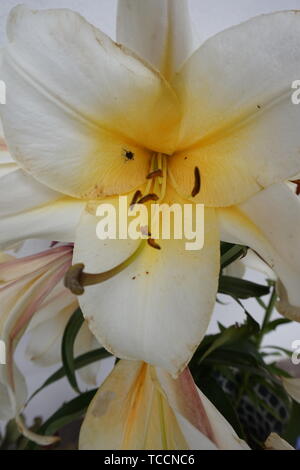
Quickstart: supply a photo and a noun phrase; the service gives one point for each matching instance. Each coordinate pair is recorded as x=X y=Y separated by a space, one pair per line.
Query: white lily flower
x=143 y=407
x=223 y=126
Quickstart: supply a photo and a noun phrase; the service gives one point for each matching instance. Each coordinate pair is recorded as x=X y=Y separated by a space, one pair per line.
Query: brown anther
x=197 y=185
x=155 y=174
x=297 y=182
x=72 y=279
x=137 y=195
x=153 y=244
x=148 y=197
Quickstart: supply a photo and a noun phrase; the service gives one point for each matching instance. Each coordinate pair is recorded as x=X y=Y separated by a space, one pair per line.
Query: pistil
x=76 y=279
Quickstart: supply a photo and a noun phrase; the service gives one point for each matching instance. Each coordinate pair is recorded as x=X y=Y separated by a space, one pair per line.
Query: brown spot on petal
x=3 y=145
x=101 y=404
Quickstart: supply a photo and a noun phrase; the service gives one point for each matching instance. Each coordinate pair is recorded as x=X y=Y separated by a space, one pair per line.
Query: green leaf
x=292 y=432
x=276 y=370
x=79 y=362
x=231 y=335
x=268 y=314
x=250 y=320
x=230 y=253
x=67 y=347
x=278 y=348
x=272 y=325
x=243 y=361
x=241 y=288
x=69 y=412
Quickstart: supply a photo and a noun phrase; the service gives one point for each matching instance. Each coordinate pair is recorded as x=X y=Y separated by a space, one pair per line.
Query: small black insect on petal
x=128 y=155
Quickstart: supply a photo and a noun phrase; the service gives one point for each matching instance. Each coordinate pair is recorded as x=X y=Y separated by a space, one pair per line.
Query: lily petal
x=292 y=387
x=126 y=413
x=138 y=407
x=268 y=223
x=86 y=342
x=275 y=442
x=45 y=334
x=7 y=403
x=20 y=300
x=5 y=157
x=29 y=209
x=159 y=31
x=240 y=126
x=190 y=403
x=158 y=308
x=13 y=269
x=78 y=103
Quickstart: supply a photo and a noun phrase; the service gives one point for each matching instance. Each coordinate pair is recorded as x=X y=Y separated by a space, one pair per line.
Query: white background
x=209 y=17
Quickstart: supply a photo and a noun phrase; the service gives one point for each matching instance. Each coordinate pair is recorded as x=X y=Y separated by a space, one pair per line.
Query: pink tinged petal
x=5 y=157
x=4 y=257
x=3 y=146
x=20 y=300
x=141 y=407
x=268 y=223
x=130 y=412
x=18 y=267
x=159 y=31
x=194 y=407
x=34 y=304
x=183 y=395
x=7 y=164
